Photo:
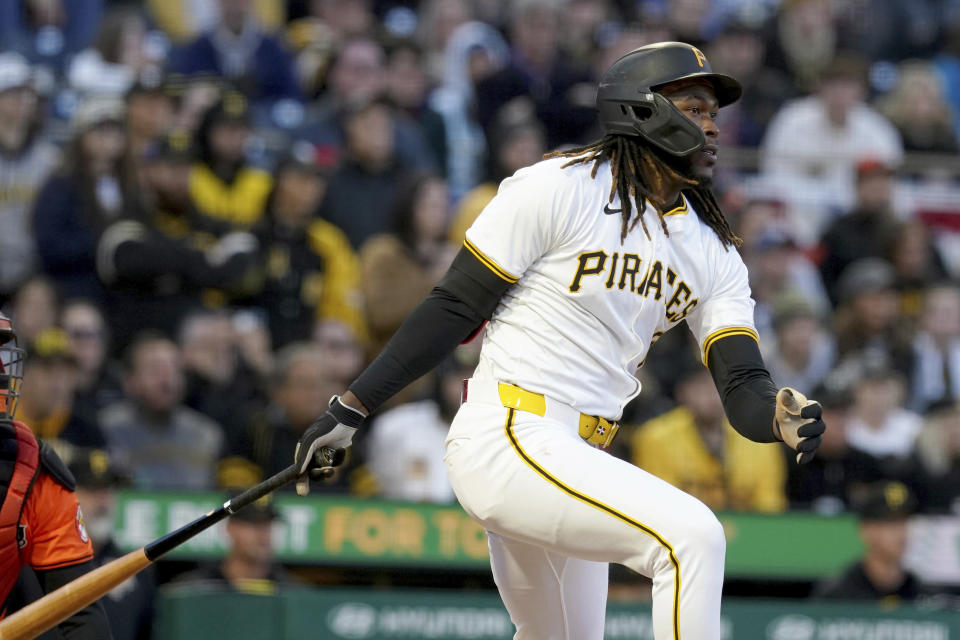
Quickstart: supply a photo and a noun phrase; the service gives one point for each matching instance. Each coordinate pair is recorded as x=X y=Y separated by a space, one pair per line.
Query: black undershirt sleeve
x=457 y=307
x=90 y=623
x=748 y=393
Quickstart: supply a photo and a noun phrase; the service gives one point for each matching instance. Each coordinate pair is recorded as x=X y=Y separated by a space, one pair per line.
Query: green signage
x=344 y=530
x=187 y=613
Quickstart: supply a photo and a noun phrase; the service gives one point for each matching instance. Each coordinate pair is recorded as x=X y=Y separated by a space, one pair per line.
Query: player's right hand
x=797 y=421
x=321 y=445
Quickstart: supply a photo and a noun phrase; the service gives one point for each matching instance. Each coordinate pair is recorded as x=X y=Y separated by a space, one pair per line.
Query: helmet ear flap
x=666 y=126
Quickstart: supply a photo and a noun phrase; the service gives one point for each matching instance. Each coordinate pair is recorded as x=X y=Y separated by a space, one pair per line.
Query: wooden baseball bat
x=59 y=605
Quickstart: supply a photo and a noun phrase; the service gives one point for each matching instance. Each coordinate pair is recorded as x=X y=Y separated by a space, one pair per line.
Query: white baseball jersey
x=586 y=307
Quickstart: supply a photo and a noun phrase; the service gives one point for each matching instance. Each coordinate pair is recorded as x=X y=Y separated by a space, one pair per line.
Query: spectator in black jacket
x=129 y=606
x=863 y=232
x=361 y=189
x=883 y=509
x=539 y=78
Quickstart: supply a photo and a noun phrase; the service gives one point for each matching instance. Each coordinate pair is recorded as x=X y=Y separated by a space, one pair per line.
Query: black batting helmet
x=11 y=369
x=629 y=104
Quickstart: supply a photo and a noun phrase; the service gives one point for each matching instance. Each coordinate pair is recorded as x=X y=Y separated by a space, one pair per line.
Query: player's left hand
x=797 y=421
x=322 y=446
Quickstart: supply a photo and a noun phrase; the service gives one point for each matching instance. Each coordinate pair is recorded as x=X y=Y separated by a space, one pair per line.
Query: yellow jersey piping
x=723 y=333
x=500 y=272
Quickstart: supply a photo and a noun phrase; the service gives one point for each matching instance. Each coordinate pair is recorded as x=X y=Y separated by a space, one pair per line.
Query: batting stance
x=579 y=264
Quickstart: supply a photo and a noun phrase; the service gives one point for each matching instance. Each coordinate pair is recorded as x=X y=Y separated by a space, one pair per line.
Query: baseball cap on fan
x=95 y=111
x=15 y=72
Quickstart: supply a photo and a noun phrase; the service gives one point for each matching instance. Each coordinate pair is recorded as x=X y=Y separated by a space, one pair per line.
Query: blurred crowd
x=215 y=212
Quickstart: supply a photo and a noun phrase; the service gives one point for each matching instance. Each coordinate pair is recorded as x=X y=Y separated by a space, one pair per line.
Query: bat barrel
x=41 y=615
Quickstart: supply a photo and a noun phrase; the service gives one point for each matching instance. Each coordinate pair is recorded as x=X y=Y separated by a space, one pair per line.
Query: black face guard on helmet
x=628 y=102
x=11 y=369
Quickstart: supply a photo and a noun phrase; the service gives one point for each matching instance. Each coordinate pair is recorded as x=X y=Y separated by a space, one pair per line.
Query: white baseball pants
x=557 y=510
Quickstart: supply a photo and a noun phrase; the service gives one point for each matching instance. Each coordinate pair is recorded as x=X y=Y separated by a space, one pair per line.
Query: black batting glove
x=323 y=445
x=797 y=421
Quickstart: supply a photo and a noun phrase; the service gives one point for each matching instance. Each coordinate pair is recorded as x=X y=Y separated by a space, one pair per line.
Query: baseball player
x=578 y=265
x=41 y=525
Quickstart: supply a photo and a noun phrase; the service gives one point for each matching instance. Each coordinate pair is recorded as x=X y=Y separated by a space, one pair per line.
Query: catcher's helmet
x=11 y=369
x=629 y=104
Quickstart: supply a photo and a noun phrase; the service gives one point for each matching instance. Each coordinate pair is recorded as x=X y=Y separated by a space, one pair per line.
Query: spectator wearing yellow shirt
x=227 y=193
x=694 y=448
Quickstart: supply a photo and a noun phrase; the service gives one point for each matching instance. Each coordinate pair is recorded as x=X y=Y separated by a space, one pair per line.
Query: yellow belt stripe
x=603 y=507
x=490 y=264
x=723 y=333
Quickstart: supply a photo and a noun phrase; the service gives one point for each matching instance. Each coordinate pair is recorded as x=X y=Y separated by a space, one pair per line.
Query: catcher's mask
x=628 y=102
x=11 y=369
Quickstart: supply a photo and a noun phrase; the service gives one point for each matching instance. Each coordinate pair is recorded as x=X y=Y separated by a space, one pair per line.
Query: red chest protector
x=19 y=465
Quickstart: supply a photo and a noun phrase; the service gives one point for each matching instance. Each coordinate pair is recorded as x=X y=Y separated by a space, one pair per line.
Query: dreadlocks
x=638 y=173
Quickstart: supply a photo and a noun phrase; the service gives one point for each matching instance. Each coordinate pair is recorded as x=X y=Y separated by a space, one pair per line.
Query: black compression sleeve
x=748 y=393
x=466 y=297
x=89 y=623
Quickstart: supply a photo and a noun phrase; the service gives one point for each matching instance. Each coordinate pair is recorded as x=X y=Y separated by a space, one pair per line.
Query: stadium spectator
x=935 y=376
x=49 y=388
x=917 y=262
x=813 y=143
x=153 y=438
x=342 y=353
x=98 y=382
x=938 y=446
x=300 y=388
x=165 y=262
x=357 y=77
x=866 y=230
x=183 y=20
x=227 y=192
x=250 y=564
x=92 y=189
x=347 y=18
x=740 y=50
x=778 y=268
x=117 y=58
x=823 y=485
x=868 y=322
x=404 y=449
x=695 y=449
x=539 y=79
x=804 y=352
x=880 y=427
x=918 y=109
x=512 y=148
x=474 y=51
x=150 y=114
x=883 y=510
x=219 y=383
x=49 y=32
x=399 y=268
x=438 y=21
x=34 y=307
x=947 y=64
x=804 y=40
x=363 y=186
x=311 y=272
x=26 y=161
x=408 y=86
x=238 y=49
x=130 y=605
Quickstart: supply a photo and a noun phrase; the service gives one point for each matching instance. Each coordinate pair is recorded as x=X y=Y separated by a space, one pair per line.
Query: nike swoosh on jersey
x=607 y=210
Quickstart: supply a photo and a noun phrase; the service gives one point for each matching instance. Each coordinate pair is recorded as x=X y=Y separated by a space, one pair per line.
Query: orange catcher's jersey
x=52 y=533
x=586 y=306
